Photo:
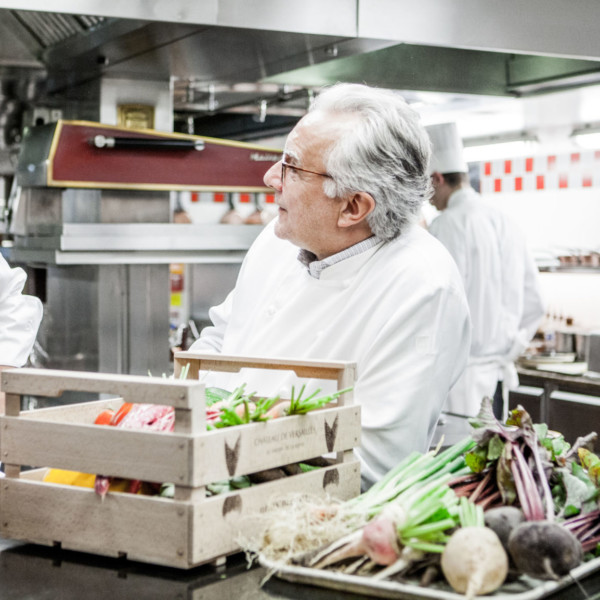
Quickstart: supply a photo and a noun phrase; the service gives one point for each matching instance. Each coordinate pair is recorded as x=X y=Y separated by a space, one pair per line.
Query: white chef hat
x=447 y=149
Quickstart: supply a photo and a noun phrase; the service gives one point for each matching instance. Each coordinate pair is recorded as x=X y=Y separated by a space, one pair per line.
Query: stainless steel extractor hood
x=240 y=69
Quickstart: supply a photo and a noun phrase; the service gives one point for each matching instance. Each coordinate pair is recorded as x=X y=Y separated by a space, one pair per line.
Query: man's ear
x=437 y=179
x=355 y=209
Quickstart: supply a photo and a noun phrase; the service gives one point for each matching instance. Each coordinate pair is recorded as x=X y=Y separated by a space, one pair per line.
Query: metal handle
x=103 y=142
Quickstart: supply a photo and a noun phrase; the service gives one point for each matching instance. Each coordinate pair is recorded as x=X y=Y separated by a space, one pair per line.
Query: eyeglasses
x=285 y=166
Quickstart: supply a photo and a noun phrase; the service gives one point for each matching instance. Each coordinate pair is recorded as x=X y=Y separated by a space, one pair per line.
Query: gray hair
x=385 y=153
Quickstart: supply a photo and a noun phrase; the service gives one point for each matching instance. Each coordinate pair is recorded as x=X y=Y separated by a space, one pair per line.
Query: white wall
x=560 y=221
x=556 y=221
x=575 y=295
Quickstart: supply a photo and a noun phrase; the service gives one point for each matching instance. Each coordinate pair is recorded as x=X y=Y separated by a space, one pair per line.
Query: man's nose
x=272 y=177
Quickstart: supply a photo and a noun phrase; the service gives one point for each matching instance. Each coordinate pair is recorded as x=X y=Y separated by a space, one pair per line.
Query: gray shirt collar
x=316 y=267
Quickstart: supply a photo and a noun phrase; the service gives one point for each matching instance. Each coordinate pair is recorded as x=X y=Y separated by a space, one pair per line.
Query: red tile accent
x=597 y=155
x=195 y=197
x=219 y=197
x=518 y=184
x=497 y=185
x=508 y=167
x=587 y=181
x=270 y=198
x=563 y=181
x=487 y=168
x=575 y=157
x=529 y=164
x=245 y=198
x=539 y=182
x=551 y=162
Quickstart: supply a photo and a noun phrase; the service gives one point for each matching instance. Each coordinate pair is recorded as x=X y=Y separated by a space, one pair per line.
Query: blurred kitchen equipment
x=564 y=341
x=594 y=352
x=232 y=216
x=93 y=229
x=582 y=345
x=255 y=217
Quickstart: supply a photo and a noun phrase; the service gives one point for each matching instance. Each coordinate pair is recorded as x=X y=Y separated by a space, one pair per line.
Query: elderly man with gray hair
x=346 y=273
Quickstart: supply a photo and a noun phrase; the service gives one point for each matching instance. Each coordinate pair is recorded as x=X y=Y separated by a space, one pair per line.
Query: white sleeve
x=20 y=317
x=533 y=304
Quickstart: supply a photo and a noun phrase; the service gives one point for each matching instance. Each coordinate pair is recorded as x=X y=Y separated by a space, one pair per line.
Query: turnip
x=544 y=549
x=474 y=561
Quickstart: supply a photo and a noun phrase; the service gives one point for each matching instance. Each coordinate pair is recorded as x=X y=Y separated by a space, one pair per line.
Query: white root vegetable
x=474 y=561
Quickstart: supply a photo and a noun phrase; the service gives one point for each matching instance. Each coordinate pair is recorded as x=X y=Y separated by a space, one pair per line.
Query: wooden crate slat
x=145 y=528
x=246 y=449
x=215 y=455
x=82 y=413
x=133 y=454
x=220 y=522
x=132 y=388
x=232 y=364
x=155 y=530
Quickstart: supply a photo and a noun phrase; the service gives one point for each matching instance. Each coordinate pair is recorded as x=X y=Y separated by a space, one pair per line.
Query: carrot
x=105 y=417
x=120 y=414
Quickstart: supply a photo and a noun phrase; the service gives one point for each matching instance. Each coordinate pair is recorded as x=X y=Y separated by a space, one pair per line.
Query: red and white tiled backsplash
x=576 y=170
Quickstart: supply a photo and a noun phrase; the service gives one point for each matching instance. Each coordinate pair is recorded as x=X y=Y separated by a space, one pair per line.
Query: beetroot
x=544 y=549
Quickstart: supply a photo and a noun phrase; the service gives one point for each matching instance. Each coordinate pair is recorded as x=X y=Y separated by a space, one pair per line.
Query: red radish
x=381 y=541
x=377 y=540
x=278 y=410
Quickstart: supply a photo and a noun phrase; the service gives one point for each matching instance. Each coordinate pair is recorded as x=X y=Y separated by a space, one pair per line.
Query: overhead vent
x=52 y=28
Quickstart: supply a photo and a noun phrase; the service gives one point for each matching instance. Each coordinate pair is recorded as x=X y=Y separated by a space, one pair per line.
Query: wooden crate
x=191 y=529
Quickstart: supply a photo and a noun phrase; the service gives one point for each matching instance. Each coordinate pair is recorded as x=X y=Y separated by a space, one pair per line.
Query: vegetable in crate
x=223 y=409
x=148 y=417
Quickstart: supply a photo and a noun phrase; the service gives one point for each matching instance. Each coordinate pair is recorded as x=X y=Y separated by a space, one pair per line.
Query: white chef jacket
x=501 y=282
x=398 y=310
x=20 y=317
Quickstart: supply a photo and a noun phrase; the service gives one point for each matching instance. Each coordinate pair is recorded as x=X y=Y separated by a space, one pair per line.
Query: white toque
x=447 y=149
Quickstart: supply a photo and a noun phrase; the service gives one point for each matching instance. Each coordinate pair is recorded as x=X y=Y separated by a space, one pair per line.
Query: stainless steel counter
x=38 y=573
x=566 y=403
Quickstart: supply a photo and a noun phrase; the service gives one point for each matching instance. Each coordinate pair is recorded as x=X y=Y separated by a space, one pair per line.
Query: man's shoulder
x=418 y=250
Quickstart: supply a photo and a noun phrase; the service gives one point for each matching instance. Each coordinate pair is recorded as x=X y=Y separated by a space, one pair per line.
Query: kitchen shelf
x=574 y=269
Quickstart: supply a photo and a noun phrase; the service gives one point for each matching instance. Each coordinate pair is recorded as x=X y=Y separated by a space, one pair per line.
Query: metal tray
x=525 y=588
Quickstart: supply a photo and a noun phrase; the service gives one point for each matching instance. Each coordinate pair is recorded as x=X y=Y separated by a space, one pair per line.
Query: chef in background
x=20 y=317
x=498 y=272
x=345 y=272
